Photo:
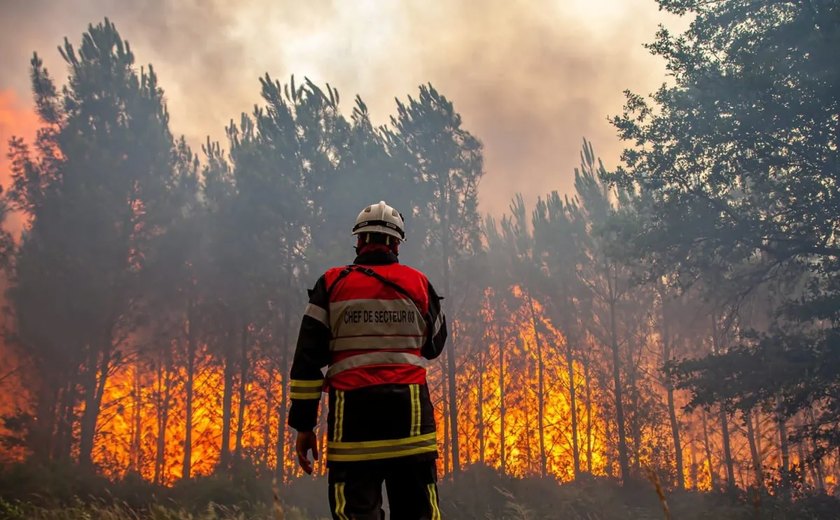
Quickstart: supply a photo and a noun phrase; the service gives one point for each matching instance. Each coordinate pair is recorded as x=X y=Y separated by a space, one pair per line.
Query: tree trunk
x=692 y=471
x=452 y=402
x=635 y=423
x=708 y=449
x=528 y=457
x=269 y=403
x=675 y=435
x=570 y=370
x=818 y=467
x=447 y=452
x=480 y=407
x=540 y=387
x=588 y=397
x=43 y=433
x=619 y=404
x=784 y=450
x=227 y=404
x=450 y=353
x=609 y=457
x=94 y=391
x=243 y=384
x=758 y=471
x=724 y=426
x=669 y=391
x=57 y=450
x=282 y=336
x=89 y=394
x=66 y=419
x=158 y=402
x=800 y=452
x=727 y=451
x=137 y=421
x=163 y=416
x=186 y=468
x=502 y=407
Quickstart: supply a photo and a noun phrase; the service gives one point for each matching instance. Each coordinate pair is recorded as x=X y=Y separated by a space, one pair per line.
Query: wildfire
x=515 y=382
x=143 y=422
x=505 y=382
x=138 y=410
x=16 y=120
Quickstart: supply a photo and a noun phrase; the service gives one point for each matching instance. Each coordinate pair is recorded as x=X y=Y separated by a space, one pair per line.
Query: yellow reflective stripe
x=306 y=389
x=305 y=395
x=317 y=313
x=307 y=383
x=433 y=500
x=340 y=501
x=378 y=456
x=413 y=415
x=383 y=443
x=381 y=449
x=415 y=410
x=338 y=427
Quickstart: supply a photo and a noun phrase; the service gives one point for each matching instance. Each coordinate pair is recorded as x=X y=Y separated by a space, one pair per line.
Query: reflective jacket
x=374 y=325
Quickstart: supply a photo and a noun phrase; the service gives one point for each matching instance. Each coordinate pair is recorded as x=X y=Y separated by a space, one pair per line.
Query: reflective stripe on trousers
x=383 y=449
x=338 y=427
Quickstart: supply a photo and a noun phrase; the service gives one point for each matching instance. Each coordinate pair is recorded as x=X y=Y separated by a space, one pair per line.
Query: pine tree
x=446 y=163
x=95 y=202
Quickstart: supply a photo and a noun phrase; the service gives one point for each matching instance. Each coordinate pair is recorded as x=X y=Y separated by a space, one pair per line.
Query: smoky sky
x=530 y=78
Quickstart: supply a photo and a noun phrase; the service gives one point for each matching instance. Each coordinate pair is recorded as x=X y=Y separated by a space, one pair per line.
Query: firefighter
x=374 y=324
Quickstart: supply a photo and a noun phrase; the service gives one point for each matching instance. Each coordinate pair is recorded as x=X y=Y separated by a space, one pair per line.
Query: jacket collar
x=376 y=258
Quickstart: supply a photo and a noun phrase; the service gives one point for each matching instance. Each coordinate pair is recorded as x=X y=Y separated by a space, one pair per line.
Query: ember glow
x=143 y=421
x=142 y=426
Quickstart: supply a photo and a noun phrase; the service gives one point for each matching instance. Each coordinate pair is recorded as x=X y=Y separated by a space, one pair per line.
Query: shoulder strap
x=344 y=272
x=373 y=274
x=393 y=285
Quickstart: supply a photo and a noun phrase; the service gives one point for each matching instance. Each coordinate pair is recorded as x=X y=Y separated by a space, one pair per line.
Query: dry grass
x=477 y=494
x=99 y=511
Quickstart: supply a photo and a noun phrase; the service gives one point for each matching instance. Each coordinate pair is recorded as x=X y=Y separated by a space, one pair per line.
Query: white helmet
x=380 y=218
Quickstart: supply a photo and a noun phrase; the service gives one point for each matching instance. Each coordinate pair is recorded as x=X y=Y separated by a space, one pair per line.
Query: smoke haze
x=531 y=79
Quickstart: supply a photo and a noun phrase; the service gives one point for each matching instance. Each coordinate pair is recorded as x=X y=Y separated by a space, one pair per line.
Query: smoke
x=17 y=119
x=531 y=79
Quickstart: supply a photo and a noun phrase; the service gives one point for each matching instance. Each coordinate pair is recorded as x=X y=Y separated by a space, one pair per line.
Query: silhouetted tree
x=739 y=155
x=95 y=202
x=446 y=164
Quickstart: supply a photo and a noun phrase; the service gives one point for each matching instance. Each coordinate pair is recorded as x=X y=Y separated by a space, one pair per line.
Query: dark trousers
x=356 y=490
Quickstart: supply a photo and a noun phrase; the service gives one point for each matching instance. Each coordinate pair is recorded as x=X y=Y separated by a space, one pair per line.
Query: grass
x=102 y=511
x=478 y=493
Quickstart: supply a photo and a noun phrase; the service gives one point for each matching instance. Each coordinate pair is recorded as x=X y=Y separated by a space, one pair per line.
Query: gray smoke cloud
x=531 y=79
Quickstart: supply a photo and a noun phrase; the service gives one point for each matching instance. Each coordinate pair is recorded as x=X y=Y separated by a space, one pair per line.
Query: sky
x=531 y=78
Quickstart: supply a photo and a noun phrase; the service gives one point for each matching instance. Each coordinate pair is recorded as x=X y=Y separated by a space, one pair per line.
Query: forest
x=662 y=342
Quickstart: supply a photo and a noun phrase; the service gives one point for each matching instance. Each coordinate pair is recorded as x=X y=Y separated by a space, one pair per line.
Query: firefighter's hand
x=306 y=441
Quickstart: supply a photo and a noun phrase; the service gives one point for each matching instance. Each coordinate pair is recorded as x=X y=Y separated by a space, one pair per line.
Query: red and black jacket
x=374 y=325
